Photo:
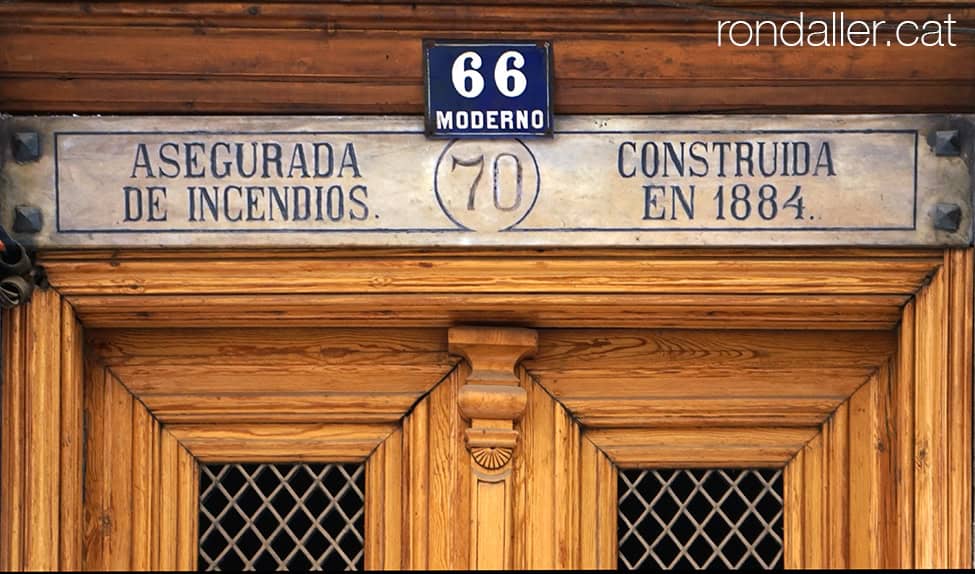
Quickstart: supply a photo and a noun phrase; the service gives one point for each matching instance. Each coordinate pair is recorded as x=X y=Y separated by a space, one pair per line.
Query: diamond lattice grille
x=696 y=519
x=281 y=517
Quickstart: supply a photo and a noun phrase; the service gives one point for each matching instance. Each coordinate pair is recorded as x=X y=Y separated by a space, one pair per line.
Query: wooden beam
x=610 y=57
x=672 y=288
x=532 y=274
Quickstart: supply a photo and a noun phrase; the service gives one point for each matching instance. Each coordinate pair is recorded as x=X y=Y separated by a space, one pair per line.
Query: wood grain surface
x=672 y=378
x=724 y=289
x=40 y=468
x=565 y=491
x=276 y=375
x=141 y=485
x=871 y=425
x=285 y=443
x=610 y=57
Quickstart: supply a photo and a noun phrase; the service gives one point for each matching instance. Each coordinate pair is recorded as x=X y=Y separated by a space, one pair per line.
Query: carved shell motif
x=491 y=458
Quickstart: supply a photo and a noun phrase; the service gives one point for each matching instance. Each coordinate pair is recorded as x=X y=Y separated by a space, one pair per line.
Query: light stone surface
x=378 y=181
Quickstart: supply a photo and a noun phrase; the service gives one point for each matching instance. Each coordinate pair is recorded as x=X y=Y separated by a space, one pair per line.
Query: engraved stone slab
x=601 y=181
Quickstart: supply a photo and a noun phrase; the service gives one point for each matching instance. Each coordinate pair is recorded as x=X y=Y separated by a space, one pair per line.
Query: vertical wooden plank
x=12 y=435
x=119 y=512
x=870 y=484
x=556 y=517
x=143 y=427
x=538 y=440
x=373 y=557
x=97 y=467
x=588 y=507
x=566 y=467
x=884 y=453
x=608 y=504
x=393 y=556
x=491 y=526
x=523 y=479
x=168 y=516
x=903 y=400
x=815 y=544
x=931 y=426
x=794 y=511
x=960 y=316
x=450 y=477
x=43 y=413
x=72 y=439
x=416 y=479
x=117 y=490
x=187 y=503
x=156 y=505
x=193 y=516
x=836 y=443
x=384 y=510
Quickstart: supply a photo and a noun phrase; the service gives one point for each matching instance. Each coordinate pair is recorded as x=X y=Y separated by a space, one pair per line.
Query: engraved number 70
x=499 y=160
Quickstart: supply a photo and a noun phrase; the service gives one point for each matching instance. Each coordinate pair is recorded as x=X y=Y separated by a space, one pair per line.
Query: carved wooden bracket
x=492 y=398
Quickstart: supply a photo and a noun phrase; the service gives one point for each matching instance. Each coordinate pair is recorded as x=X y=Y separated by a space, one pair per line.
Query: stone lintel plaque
x=601 y=181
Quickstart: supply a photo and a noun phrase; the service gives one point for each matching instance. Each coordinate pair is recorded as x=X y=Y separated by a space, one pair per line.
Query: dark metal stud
x=947 y=143
x=28 y=219
x=947 y=216
x=26 y=146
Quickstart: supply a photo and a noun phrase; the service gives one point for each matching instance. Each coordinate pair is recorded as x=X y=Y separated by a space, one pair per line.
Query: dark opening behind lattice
x=700 y=519
x=281 y=517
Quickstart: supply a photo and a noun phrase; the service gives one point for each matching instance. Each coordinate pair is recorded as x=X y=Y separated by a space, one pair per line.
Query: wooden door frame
x=925 y=294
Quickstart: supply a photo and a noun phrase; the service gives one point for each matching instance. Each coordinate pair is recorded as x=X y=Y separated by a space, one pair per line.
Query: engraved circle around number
x=486 y=185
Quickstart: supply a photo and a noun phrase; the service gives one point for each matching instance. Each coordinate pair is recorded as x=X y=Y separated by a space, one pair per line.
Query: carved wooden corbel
x=492 y=399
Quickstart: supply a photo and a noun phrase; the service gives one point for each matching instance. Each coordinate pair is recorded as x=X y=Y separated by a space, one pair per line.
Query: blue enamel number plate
x=488 y=89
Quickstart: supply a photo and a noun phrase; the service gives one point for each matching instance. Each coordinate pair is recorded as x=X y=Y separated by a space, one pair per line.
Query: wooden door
x=493 y=418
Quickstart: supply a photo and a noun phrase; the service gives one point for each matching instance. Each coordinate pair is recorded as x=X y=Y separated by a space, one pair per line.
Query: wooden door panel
x=162 y=402
x=859 y=475
x=885 y=431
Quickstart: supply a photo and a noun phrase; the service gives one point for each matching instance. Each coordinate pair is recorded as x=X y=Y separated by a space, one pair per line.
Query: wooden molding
x=636 y=288
x=229 y=442
x=705 y=447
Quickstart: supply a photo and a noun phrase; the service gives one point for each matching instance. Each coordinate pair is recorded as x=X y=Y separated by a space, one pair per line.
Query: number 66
x=508 y=76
